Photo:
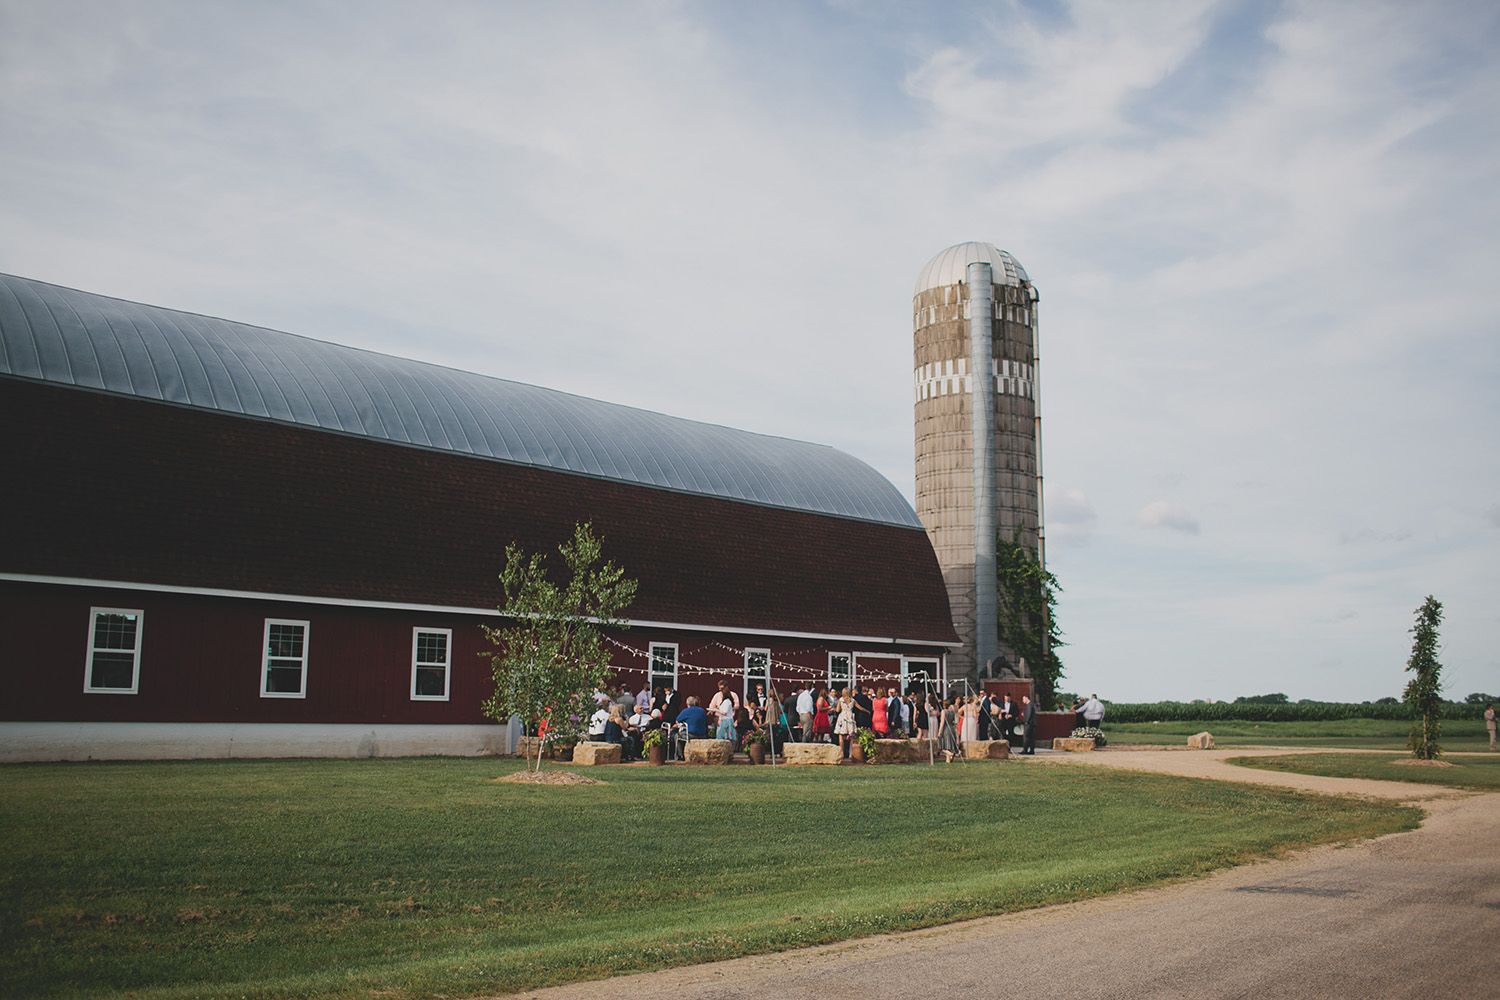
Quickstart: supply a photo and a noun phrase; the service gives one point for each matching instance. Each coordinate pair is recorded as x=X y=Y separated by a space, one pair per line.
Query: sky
x=1266 y=238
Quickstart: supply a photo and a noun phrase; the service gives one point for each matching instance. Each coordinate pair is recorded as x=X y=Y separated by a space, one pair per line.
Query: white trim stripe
x=344 y=602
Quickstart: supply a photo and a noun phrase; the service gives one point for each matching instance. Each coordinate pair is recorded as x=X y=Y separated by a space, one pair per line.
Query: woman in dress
x=919 y=716
x=880 y=718
x=822 y=724
x=969 y=733
x=946 y=720
x=844 y=727
x=726 y=724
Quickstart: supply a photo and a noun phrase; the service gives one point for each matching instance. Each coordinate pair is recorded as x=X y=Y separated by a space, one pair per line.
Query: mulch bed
x=549 y=778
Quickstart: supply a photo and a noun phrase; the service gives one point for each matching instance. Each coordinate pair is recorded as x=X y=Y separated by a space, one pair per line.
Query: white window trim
x=848 y=656
x=416 y=634
x=934 y=662
x=88 y=659
x=265 y=657
x=745 y=681
x=651 y=674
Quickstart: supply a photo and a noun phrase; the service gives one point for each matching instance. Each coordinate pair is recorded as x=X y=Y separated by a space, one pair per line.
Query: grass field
x=1479 y=773
x=1361 y=734
x=420 y=877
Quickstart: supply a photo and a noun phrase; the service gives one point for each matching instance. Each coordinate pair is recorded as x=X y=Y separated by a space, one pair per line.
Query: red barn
x=222 y=540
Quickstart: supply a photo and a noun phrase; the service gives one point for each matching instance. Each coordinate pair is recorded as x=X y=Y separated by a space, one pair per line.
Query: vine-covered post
x=552 y=658
x=1028 y=615
x=1423 y=692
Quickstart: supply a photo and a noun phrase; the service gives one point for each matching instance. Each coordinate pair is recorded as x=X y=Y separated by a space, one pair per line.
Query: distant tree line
x=1306 y=710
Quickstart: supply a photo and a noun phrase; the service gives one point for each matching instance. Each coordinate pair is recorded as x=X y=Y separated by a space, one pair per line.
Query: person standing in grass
x=845 y=727
x=880 y=718
x=864 y=708
x=1028 y=725
x=1093 y=712
x=822 y=724
x=947 y=722
x=726 y=722
x=968 y=720
x=900 y=712
x=805 y=711
x=1489 y=723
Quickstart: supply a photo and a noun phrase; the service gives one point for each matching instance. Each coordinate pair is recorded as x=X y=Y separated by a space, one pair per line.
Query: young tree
x=553 y=657
x=1424 y=690
x=1027 y=611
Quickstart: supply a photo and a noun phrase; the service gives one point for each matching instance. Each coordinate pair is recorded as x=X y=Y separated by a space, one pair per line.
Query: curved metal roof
x=76 y=338
x=949 y=267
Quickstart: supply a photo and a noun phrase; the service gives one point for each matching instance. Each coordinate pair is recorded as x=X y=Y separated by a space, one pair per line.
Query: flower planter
x=757 y=752
x=657 y=755
x=857 y=753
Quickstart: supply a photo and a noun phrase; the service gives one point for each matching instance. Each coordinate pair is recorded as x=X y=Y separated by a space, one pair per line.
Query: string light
x=784 y=667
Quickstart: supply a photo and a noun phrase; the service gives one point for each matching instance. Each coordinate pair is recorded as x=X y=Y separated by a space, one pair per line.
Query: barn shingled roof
x=69 y=337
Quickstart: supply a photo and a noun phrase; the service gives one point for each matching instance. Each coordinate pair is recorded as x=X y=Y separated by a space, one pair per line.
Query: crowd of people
x=817 y=714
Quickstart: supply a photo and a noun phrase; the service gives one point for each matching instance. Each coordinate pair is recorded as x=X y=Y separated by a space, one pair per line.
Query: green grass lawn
x=1479 y=773
x=420 y=877
x=1361 y=734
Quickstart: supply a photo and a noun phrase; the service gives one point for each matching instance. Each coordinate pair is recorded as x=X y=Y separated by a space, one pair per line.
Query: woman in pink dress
x=879 y=717
x=822 y=724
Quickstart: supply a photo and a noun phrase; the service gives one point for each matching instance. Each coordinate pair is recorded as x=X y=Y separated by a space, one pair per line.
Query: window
x=284 y=674
x=840 y=671
x=757 y=671
x=663 y=666
x=920 y=673
x=429 y=663
x=114 y=662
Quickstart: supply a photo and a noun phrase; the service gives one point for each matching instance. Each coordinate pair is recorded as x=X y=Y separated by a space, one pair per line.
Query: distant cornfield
x=1322 y=711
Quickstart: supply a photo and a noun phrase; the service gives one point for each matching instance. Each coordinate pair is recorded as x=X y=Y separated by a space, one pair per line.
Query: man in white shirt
x=1093 y=711
x=805 y=711
x=597 y=722
x=643 y=697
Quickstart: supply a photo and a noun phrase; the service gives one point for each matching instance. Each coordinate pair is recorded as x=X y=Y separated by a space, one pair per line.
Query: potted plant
x=655 y=744
x=1090 y=733
x=562 y=747
x=754 y=744
x=864 y=748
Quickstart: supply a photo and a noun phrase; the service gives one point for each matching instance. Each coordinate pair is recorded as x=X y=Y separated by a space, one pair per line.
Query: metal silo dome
x=948 y=267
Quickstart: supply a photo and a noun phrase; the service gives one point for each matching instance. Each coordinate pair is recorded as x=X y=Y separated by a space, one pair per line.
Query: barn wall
x=109 y=488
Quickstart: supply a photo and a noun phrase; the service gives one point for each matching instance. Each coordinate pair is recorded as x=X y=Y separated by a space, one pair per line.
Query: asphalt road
x=1413 y=915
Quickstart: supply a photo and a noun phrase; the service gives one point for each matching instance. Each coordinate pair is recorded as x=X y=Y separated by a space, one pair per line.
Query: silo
x=953 y=491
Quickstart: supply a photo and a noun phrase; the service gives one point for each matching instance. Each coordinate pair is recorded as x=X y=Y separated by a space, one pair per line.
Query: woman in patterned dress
x=844 y=727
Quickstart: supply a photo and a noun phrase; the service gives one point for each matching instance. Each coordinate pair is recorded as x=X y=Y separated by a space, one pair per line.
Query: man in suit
x=1008 y=718
x=985 y=715
x=864 y=708
x=1028 y=723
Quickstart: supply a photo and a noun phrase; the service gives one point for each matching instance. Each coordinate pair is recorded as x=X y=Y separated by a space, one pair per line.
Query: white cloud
x=1070 y=517
x=1165 y=514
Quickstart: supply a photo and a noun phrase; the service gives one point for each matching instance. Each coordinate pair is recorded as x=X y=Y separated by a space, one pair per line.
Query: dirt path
x=1413 y=915
x=1214 y=764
